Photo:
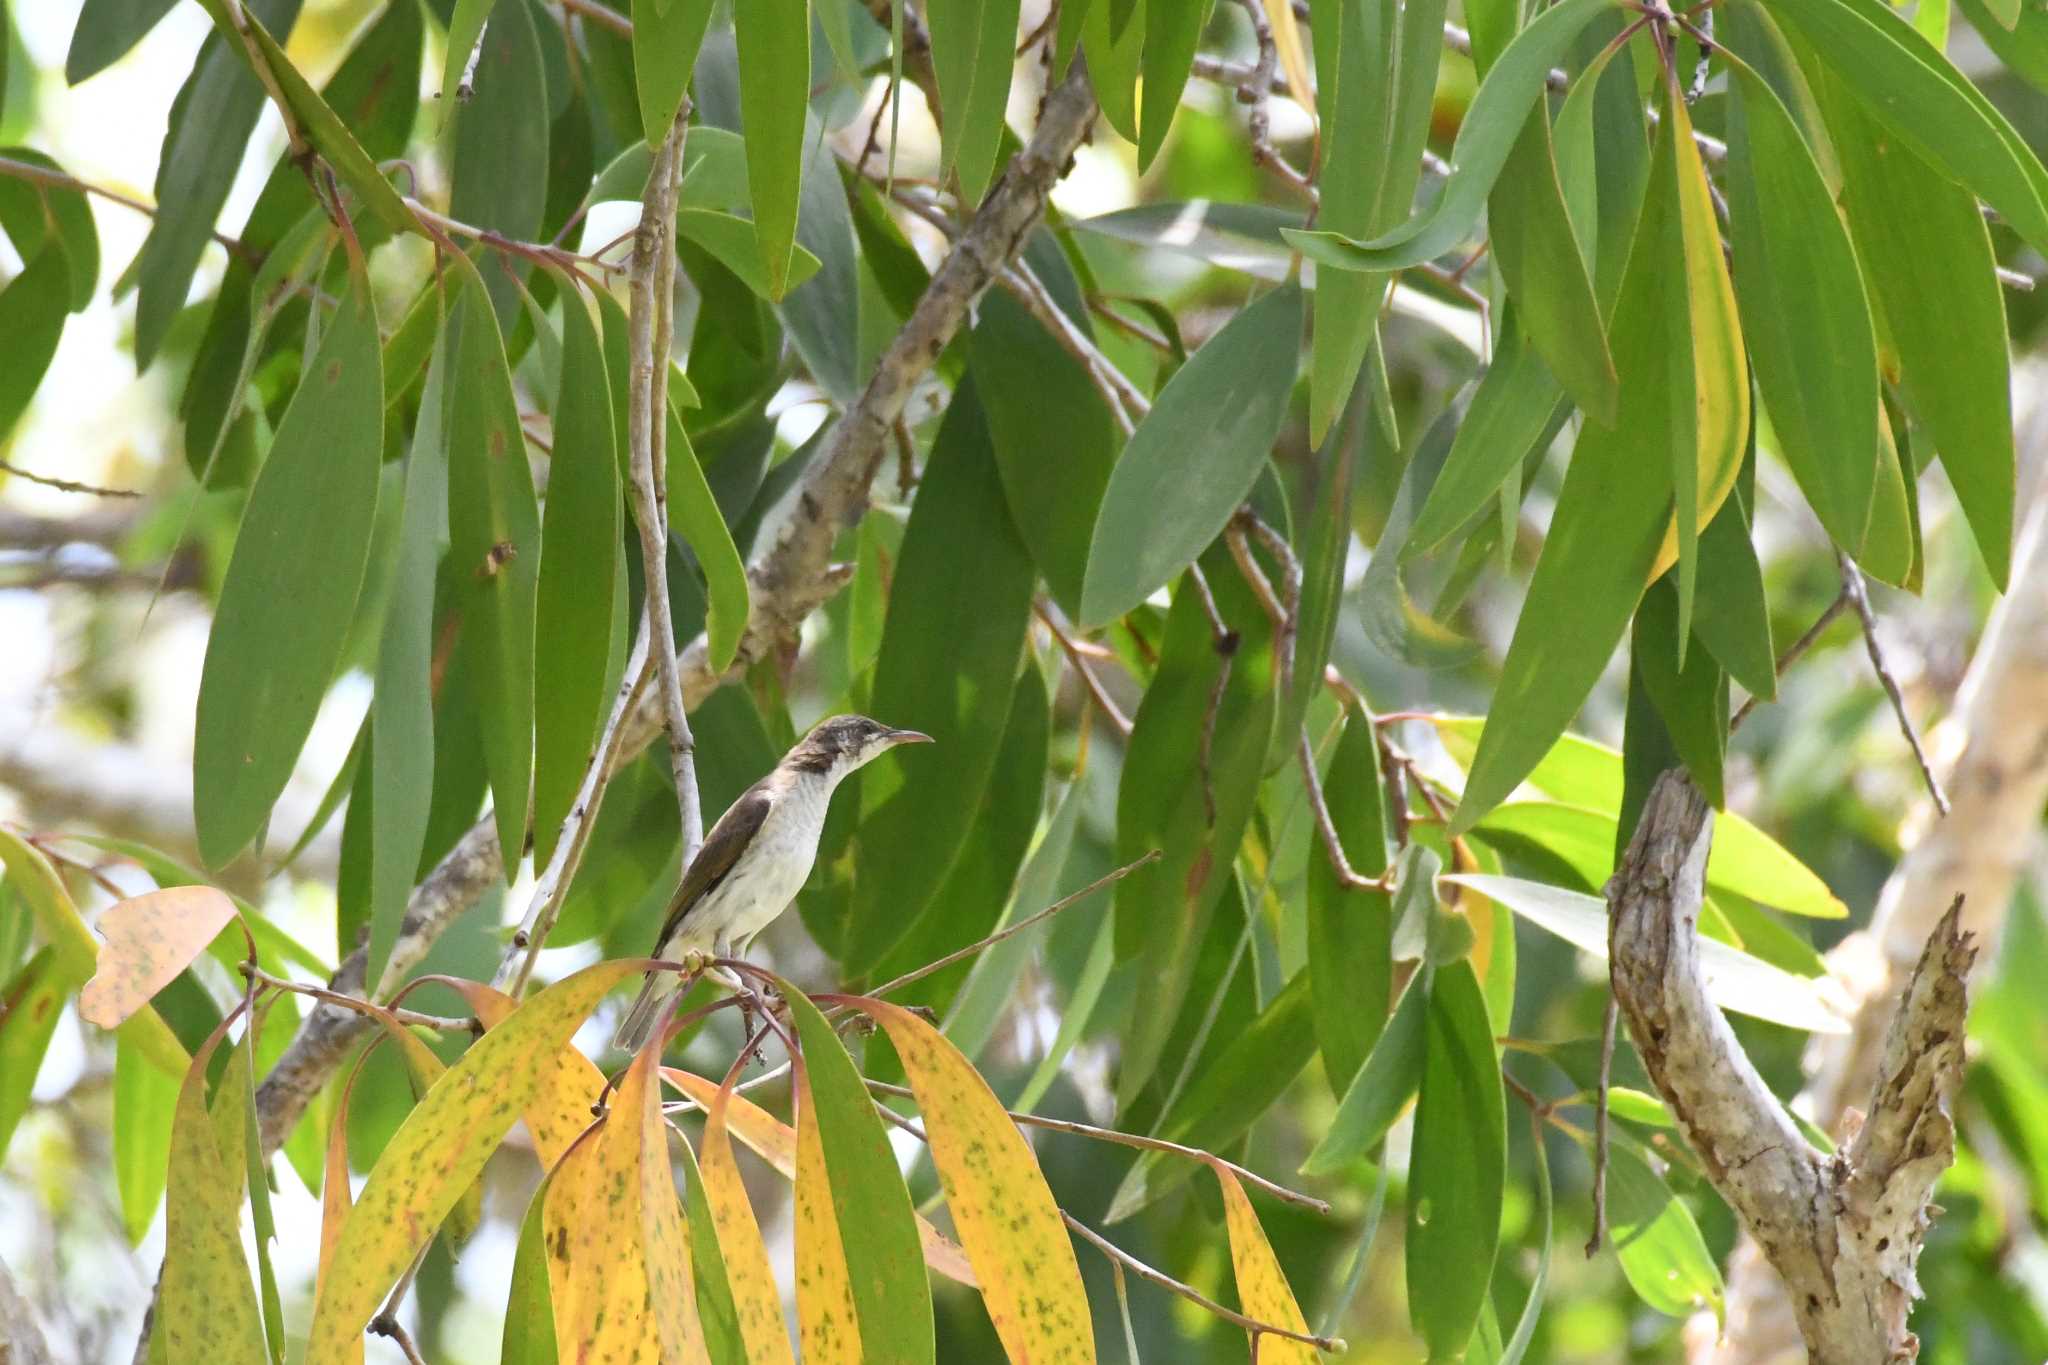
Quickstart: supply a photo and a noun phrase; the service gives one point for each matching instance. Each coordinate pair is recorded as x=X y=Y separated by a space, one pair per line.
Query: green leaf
x=1195 y=457
x=1487 y=135
x=1803 y=306
x=1732 y=617
x=1736 y=981
x=1228 y=1093
x=330 y=136
x=1931 y=276
x=210 y=123
x=823 y=315
x=32 y=309
x=1611 y=523
x=666 y=38
x=582 y=565
x=106 y=31
x=775 y=72
x=1195 y=815
x=1656 y=1240
x=1920 y=98
x=1512 y=407
x=1325 y=553
x=1173 y=29
x=1692 y=698
x=731 y=239
x=208 y=1309
x=1054 y=437
x=494 y=554
x=145 y=1098
x=2021 y=41
x=529 y=1306
x=1532 y=1310
x=34 y=1002
x=956 y=626
x=694 y=515
x=465 y=26
x=290 y=592
x=1114 y=48
x=891 y=1295
x=973 y=52
x=1350 y=932
x=500 y=156
x=1459 y=1160
x=31 y=213
x=1543 y=266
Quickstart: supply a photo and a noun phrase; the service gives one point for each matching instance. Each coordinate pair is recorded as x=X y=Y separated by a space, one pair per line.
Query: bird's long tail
x=652 y=1006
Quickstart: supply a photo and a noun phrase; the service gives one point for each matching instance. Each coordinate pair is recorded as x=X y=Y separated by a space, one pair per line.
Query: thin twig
x=1600 y=1117
x=15 y=169
x=66 y=485
x=1794 y=652
x=1126 y=402
x=439 y=1022
x=1330 y=1345
x=609 y=18
x=1150 y=1144
x=515 y=969
x=1254 y=92
x=1102 y=700
x=1107 y=879
x=1333 y=842
x=646 y=415
x=1858 y=594
x=387 y=1325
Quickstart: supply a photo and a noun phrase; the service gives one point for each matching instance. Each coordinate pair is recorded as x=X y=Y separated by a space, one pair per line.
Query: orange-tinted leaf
x=560 y=1109
x=1007 y=1218
x=150 y=939
x=827 y=1322
x=1287 y=38
x=209 y=1306
x=747 y=1272
x=1262 y=1291
x=437 y=1153
x=774 y=1142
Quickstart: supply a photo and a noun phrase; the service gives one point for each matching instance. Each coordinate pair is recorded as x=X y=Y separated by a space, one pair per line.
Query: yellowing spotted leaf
x=560 y=1109
x=828 y=1324
x=1005 y=1214
x=334 y=1201
x=1262 y=1292
x=747 y=1272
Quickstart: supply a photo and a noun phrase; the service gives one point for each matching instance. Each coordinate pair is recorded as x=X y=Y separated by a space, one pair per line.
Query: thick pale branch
x=1843 y=1231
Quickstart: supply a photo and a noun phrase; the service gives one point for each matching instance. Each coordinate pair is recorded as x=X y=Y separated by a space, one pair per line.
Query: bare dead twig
x=1078 y=662
x=1858 y=593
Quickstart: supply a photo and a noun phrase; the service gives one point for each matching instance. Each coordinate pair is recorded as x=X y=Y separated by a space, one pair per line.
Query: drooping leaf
x=775 y=65
x=560 y=1109
x=1731 y=616
x=1691 y=698
x=1485 y=138
x=500 y=170
x=1195 y=457
x=871 y=1206
x=1656 y=1240
x=1172 y=32
x=1456 y=1174
x=145 y=1100
x=1022 y=1256
x=465 y=26
x=1262 y=1289
x=973 y=52
x=208 y=1309
x=956 y=624
x=1736 y=981
x=828 y=1322
x=33 y=215
x=694 y=515
x=665 y=43
x=210 y=123
x=494 y=550
x=290 y=592
x=1350 y=931
x=529 y=1304
x=441 y=1147
x=150 y=939
x=32 y=309
x=33 y=1002
x=336 y=1199
x=106 y=31
x=1380 y=1092
x=1803 y=307
x=755 y=1298
x=1054 y=438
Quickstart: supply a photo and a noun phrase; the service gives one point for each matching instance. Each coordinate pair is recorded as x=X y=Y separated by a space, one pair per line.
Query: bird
x=756 y=858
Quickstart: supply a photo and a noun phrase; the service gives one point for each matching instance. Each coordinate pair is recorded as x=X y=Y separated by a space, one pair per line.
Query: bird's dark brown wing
x=722 y=847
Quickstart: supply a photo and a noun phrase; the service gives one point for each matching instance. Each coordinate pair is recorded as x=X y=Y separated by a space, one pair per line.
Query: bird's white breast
x=770 y=872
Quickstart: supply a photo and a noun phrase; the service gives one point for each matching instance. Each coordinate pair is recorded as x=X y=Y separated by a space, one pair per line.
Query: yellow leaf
x=1720 y=363
x=774 y=1142
x=747 y=1272
x=1262 y=1291
x=826 y=1319
x=209 y=1305
x=440 y=1148
x=150 y=939
x=1287 y=38
x=618 y=1252
x=560 y=1110
x=334 y=1200
x=1006 y=1215
x=76 y=949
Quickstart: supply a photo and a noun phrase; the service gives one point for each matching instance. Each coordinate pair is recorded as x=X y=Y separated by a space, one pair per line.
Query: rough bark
x=21 y=1340
x=1843 y=1230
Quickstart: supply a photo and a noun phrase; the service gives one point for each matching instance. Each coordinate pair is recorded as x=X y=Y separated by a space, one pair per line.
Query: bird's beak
x=908 y=737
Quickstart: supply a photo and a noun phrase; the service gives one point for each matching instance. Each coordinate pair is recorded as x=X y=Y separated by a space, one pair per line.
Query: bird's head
x=837 y=746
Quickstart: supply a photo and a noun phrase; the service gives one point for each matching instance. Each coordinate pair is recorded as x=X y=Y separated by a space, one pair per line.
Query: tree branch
x=1842 y=1230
